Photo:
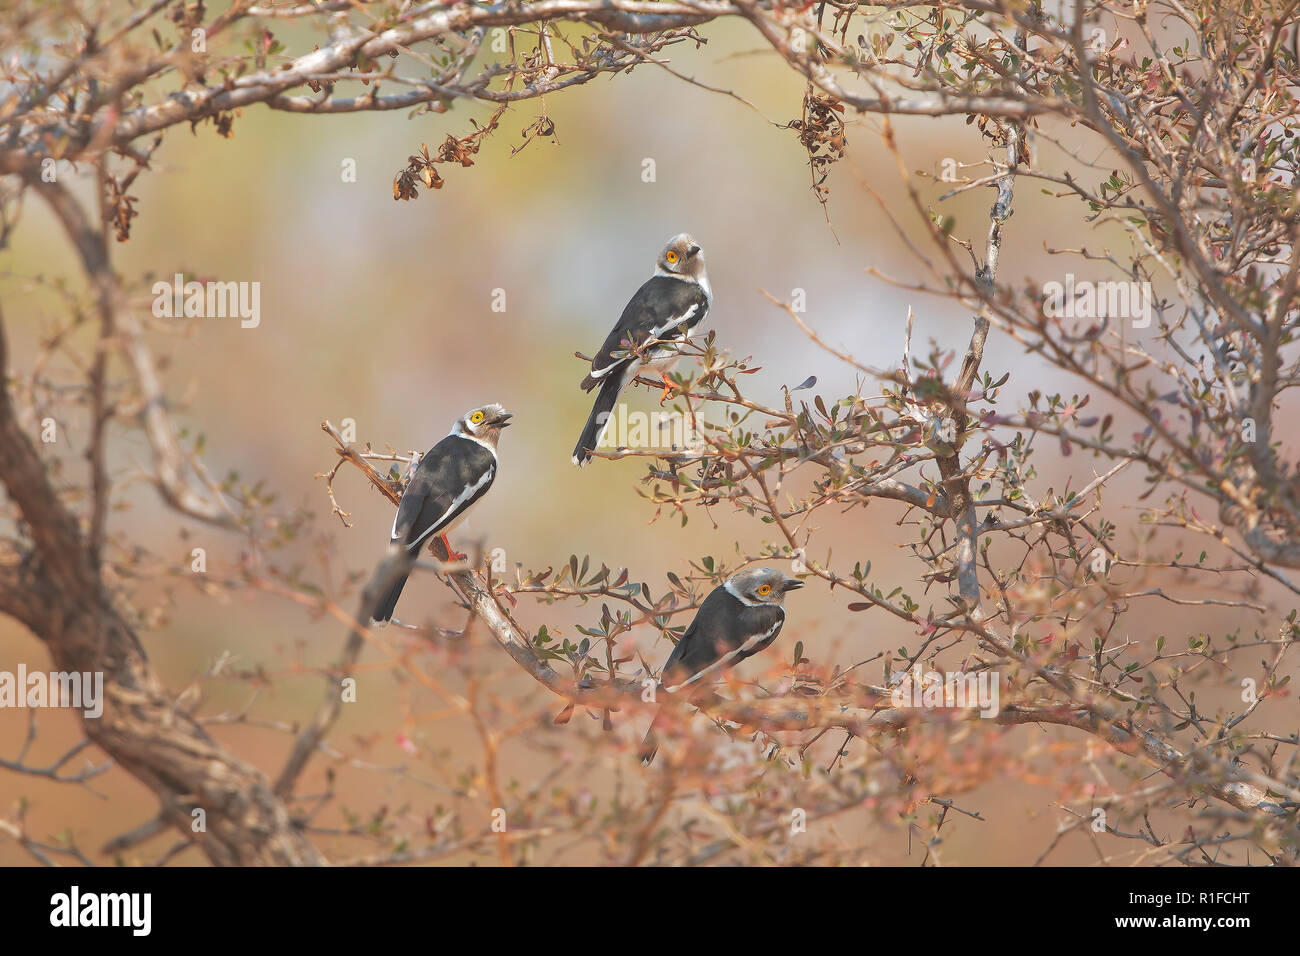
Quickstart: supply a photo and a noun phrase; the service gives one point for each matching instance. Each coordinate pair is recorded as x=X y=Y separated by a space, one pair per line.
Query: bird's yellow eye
x=476 y=417
x=765 y=590
x=671 y=257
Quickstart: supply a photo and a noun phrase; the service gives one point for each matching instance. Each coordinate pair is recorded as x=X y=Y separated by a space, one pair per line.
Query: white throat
x=702 y=280
x=460 y=432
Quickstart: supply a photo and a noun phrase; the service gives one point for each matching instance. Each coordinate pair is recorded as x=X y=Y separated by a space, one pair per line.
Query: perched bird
x=736 y=621
x=668 y=308
x=454 y=474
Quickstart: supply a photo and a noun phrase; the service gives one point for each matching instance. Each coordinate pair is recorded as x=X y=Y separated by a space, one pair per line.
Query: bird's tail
x=384 y=612
x=650 y=745
x=598 y=421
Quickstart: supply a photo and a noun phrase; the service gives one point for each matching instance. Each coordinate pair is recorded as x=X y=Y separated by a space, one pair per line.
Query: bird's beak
x=693 y=250
x=502 y=420
x=791 y=584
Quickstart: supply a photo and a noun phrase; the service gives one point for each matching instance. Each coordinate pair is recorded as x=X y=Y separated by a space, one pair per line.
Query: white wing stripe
x=727 y=658
x=654 y=334
x=601 y=373
x=461 y=498
x=672 y=323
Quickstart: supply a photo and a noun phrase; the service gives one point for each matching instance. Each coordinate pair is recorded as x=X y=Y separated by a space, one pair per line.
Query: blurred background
x=381 y=312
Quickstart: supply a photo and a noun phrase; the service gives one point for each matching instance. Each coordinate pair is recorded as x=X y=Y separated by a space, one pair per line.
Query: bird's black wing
x=725 y=631
x=663 y=308
x=454 y=474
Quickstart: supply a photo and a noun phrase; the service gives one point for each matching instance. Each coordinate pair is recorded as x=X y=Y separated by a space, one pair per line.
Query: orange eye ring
x=671 y=257
x=765 y=590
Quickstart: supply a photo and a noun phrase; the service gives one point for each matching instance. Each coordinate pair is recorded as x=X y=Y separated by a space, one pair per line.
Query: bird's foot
x=669 y=385
x=453 y=556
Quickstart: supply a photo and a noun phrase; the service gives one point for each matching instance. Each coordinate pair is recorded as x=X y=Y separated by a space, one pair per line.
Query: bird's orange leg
x=452 y=555
x=669 y=385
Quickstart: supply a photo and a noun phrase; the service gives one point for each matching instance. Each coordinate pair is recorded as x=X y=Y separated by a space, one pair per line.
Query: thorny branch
x=1195 y=179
